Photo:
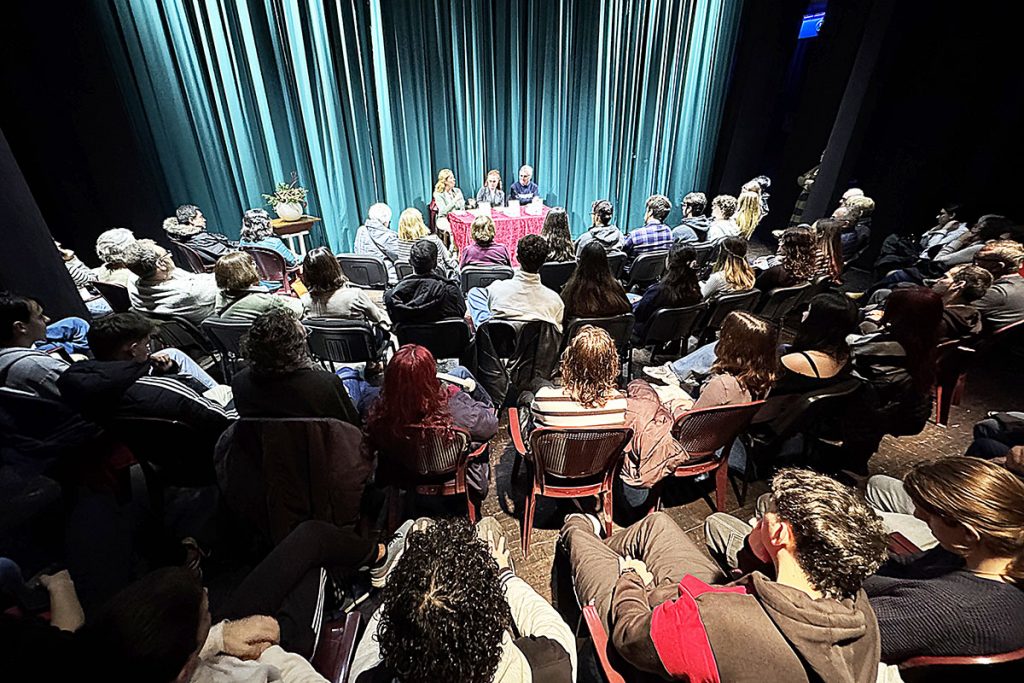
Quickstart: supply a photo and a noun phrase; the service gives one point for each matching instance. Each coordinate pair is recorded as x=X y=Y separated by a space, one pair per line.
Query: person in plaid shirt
x=655 y=235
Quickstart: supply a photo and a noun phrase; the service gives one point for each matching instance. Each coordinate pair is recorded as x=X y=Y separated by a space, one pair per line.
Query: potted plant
x=288 y=199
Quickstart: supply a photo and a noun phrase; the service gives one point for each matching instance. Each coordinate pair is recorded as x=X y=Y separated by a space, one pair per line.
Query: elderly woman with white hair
x=188 y=226
x=111 y=247
x=258 y=232
x=376 y=238
x=524 y=189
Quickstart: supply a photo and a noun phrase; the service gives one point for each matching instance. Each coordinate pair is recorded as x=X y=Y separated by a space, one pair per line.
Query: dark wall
x=66 y=124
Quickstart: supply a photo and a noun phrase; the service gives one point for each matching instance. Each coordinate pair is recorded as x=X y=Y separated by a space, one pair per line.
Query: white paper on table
x=512 y=210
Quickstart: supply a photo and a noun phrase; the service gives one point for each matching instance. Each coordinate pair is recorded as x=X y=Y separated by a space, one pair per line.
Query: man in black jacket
x=188 y=227
x=425 y=296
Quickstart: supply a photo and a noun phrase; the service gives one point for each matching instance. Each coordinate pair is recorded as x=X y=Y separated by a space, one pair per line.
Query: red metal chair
x=189 y=259
x=951 y=363
x=600 y=638
x=702 y=433
x=568 y=463
x=271 y=267
x=432 y=462
x=337 y=647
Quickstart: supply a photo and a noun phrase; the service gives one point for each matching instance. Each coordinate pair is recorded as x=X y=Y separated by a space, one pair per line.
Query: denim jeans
x=187 y=366
x=68 y=334
x=479 y=306
x=695 y=365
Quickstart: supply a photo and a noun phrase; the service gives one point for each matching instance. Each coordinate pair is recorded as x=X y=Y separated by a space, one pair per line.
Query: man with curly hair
x=450 y=606
x=669 y=611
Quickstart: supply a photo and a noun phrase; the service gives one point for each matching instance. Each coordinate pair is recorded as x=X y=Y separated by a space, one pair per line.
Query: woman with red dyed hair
x=414 y=394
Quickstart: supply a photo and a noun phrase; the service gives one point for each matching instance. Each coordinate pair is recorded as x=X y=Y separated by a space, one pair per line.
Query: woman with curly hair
x=588 y=396
x=592 y=291
x=556 y=232
x=744 y=369
x=732 y=272
x=281 y=380
x=413 y=395
x=795 y=262
x=258 y=232
x=828 y=249
x=972 y=579
x=453 y=610
x=111 y=248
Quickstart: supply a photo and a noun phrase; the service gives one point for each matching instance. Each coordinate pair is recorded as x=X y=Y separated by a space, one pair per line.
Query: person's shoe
x=777 y=234
x=854 y=295
x=489 y=525
x=662 y=373
x=395 y=548
x=591 y=521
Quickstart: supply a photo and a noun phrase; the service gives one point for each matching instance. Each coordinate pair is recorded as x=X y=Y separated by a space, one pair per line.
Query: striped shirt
x=552 y=407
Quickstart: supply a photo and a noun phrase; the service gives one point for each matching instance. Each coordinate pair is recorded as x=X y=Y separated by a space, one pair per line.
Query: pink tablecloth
x=507 y=230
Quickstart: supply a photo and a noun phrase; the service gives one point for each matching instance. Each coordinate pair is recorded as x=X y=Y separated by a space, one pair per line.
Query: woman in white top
x=732 y=272
x=447 y=197
x=329 y=297
x=411 y=229
x=588 y=396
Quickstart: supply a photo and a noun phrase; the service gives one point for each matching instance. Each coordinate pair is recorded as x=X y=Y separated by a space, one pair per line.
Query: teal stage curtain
x=367 y=99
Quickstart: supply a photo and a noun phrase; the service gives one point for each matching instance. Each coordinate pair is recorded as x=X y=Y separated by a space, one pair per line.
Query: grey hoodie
x=609 y=236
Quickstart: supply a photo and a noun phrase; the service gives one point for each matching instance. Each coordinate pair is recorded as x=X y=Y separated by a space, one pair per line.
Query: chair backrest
x=577 y=453
x=341 y=341
x=703 y=431
x=670 y=324
x=178 y=453
x=1008 y=666
x=647 y=268
x=444 y=338
x=337 y=646
x=727 y=303
x=813 y=409
x=188 y=258
x=270 y=265
x=226 y=336
x=503 y=335
x=782 y=300
x=368 y=272
x=481 y=276
x=403 y=269
x=616 y=261
x=181 y=333
x=705 y=250
x=554 y=274
x=115 y=295
x=430 y=451
x=1013 y=330
x=620 y=327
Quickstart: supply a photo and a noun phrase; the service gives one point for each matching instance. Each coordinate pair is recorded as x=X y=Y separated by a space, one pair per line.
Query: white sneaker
x=662 y=373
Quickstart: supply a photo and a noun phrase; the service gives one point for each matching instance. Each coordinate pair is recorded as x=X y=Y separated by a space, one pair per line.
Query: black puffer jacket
x=424 y=299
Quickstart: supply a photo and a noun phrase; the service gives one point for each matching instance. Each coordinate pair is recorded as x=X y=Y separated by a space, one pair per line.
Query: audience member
x=258 y=232
x=524 y=189
x=723 y=223
x=695 y=224
x=523 y=297
x=677 y=288
x=188 y=227
x=556 y=232
x=413 y=396
x=748 y=212
x=376 y=238
x=588 y=395
x=81 y=276
x=484 y=251
x=744 y=369
x=591 y=291
x=281 y=380
x=23 y=367
x=163 y=288
x=412 y=229
x=963 y=249
x=828 y=259
x=732 y=273
x=491 y=191
x=111 y=249
x=819 y=355
x=424 y=296
x=900 y=250
x=963 y=597
x=864 y=208
x=454 y=610
x=447 y=198
x=795 y=262
x=241 y=295
x=601 y=230
x=655 y=235
x=329 y=296
x=849 y=195
x=668 y=609
x=996 y=436
x=1003 y=302
x=804 y=182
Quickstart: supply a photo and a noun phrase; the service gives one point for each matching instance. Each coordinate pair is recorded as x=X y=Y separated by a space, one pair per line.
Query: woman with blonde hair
x=447 y=198
x=963 y=597
x=588 y=396
x=732 y=272
x=484 y=251
x=411 y=229
x=748 y=212
x=241 y=295
x=491 y=191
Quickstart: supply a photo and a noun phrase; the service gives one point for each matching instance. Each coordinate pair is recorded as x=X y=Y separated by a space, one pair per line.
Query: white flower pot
x=291 y=211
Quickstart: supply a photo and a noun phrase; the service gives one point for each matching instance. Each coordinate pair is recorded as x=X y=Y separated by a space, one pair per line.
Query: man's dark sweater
x=307 y=392
x=928 y=604
x=424 y=299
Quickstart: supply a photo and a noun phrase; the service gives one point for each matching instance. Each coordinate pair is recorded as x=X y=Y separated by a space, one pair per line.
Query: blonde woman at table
x=492 y=192
x=411 y=229
x=447 y=198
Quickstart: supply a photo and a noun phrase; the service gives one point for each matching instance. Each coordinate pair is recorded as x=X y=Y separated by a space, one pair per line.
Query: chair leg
x=515 y=466
x=528 y=510
x=606 y=510
x=472 y=507
x=942 y=406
